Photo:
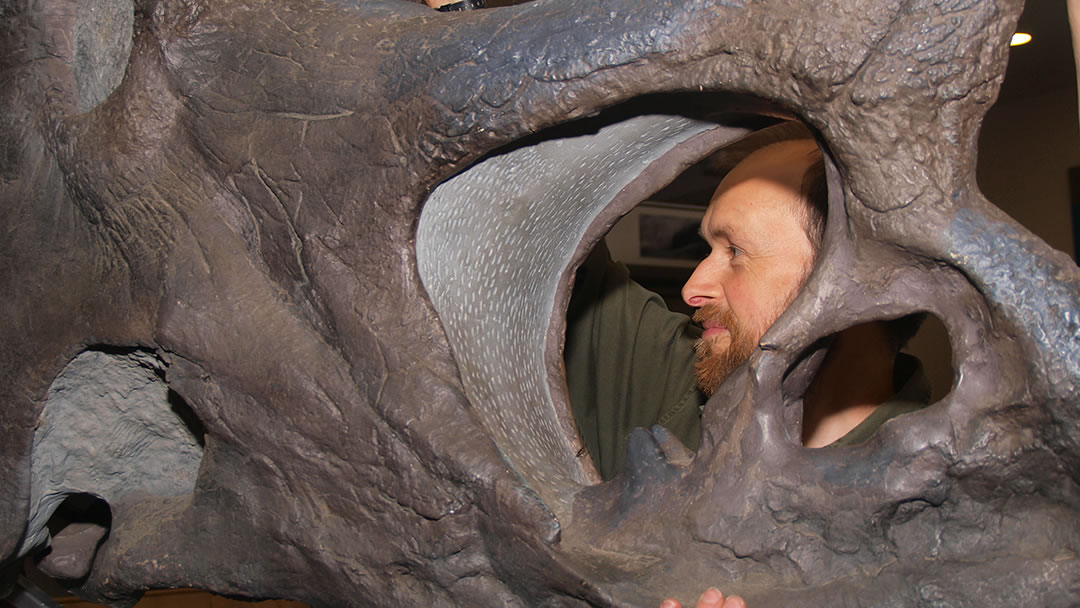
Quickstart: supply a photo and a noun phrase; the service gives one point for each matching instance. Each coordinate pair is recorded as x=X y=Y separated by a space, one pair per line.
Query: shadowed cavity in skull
x=848 y=384
x=111 y=429
x=77 y=528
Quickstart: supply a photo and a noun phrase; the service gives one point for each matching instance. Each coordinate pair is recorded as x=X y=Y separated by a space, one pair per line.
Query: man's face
x=760 y=258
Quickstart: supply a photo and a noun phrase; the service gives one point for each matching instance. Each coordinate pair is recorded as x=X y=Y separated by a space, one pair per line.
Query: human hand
x=712 y=598
x=455 y=5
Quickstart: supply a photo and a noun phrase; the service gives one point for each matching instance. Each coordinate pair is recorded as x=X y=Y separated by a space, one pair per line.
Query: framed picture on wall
x=659 y=234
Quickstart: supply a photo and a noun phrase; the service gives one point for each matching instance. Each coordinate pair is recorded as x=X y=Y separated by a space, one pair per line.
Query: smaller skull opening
x=847 y=385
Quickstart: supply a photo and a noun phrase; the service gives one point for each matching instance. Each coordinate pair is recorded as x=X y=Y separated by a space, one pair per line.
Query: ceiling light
x=1020 y=38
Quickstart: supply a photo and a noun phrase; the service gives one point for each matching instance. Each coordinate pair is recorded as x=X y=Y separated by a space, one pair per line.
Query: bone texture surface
x=284 y=290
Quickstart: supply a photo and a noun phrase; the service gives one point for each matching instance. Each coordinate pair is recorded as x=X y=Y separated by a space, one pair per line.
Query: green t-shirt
x=629 y=363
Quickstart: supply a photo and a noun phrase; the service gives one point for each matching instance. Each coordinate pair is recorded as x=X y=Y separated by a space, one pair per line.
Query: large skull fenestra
x=284 y=289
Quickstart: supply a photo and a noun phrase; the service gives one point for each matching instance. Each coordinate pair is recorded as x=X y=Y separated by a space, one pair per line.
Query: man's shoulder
x=912 y=392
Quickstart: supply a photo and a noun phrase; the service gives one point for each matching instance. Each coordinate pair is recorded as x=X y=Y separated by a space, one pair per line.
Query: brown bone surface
x=241 y=310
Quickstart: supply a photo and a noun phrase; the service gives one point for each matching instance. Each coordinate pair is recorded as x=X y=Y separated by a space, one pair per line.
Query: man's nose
x=702 y=286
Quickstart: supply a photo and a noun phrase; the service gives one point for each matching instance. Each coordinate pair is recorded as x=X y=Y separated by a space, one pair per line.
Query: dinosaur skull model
x=285 y=286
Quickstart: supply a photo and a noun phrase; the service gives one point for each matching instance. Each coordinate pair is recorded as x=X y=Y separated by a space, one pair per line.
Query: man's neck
x=855 y=378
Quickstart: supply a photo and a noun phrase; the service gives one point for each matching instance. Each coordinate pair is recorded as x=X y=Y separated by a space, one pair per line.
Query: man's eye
x=735 y=251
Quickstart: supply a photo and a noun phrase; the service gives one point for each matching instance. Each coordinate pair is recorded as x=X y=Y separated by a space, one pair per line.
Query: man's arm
x=629 y=362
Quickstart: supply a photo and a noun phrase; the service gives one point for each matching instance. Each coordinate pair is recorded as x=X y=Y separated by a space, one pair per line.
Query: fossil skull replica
x=285 y=287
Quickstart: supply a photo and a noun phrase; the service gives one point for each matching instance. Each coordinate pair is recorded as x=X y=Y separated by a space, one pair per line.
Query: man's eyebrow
x=722 y=232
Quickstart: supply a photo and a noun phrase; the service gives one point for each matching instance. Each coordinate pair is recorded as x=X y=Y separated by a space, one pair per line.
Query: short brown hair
x=815 y=193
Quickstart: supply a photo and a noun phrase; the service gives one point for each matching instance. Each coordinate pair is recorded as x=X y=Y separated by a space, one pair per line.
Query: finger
x=734 y=602
x=670 y=603
x=712 y=598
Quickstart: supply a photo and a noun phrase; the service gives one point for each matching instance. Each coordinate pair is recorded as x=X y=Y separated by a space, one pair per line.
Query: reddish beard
x=714 y=360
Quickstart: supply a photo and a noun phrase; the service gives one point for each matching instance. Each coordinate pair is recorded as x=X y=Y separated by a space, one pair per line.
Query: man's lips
x=715 y=321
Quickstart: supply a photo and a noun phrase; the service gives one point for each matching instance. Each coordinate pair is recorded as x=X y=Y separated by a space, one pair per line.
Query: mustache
x=714 y=314
x=715 y=361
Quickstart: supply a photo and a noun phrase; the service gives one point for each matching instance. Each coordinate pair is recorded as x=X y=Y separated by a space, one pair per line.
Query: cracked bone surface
x=285 y=286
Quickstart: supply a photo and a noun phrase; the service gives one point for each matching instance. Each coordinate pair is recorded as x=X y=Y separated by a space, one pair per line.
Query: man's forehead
x=782 y=158
x=775 y=170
